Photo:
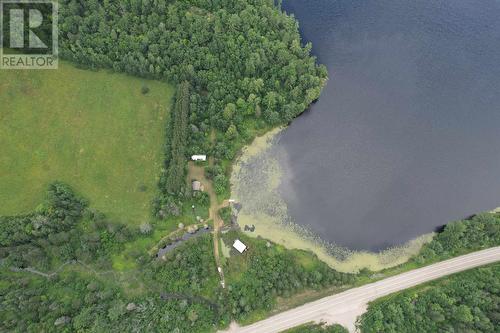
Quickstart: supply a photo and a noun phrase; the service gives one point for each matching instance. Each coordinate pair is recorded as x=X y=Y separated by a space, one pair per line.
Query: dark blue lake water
x=406 y=135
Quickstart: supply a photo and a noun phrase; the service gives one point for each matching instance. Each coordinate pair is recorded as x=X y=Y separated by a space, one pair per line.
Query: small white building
x=239 y=246
x=199 y=157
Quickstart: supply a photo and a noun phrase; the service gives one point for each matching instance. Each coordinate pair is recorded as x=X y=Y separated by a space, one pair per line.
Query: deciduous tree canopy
x=243 y=61
x=465 y=302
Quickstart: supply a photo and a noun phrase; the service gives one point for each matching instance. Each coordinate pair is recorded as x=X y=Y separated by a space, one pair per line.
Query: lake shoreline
x=278 y=229
x=381 y=152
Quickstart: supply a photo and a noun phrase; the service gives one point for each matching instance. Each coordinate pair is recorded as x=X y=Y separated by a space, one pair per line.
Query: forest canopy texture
x=239 y=68
x=243 y=59
x=465 y=302
x=240 y=64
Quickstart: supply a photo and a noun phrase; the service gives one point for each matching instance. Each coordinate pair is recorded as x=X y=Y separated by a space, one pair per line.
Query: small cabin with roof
x=239 y=246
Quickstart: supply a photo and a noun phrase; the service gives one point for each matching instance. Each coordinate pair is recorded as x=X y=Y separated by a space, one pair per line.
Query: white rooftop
x=199 y=157
x=238 y=245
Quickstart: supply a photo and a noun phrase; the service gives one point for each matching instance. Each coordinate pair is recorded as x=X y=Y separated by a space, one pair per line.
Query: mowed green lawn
x=95 y=131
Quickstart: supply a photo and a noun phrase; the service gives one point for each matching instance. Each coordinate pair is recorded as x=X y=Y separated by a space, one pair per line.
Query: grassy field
x=95 y=131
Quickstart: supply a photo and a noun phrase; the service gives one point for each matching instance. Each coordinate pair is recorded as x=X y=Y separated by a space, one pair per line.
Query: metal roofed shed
x=239 y=246
x=199 y=157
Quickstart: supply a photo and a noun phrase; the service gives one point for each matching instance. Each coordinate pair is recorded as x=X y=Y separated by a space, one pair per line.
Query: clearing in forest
x=99 y=132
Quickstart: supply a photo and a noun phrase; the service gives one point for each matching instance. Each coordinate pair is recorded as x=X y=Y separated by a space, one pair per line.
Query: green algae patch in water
x=255 y=182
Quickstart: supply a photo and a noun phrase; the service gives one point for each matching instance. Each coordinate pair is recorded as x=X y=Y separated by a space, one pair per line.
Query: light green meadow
x=95 y=131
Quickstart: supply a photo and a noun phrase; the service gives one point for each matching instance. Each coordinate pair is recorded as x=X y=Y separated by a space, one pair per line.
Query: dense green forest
x=75 y=301
x=172 y=182
x=464 y=302
x=56 y=275
x=62 y=229
x=270 y=271
x=62 y=206
x=478 y=232
x=175 y=162
x=242 y=59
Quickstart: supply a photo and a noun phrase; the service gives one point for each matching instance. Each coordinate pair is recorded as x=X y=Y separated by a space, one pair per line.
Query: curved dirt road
x=345 y=307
